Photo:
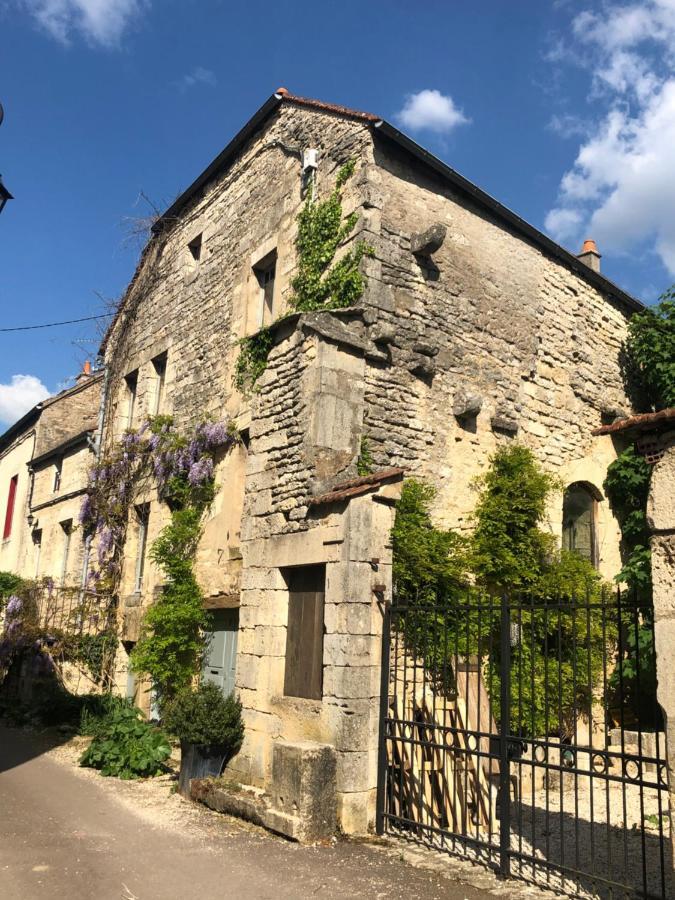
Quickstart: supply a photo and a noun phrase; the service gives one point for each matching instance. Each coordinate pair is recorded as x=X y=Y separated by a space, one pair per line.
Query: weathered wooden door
x=221 y=657
x=304 y=641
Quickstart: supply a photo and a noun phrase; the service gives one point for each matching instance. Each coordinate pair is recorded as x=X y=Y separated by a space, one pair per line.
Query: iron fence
x=525 y=734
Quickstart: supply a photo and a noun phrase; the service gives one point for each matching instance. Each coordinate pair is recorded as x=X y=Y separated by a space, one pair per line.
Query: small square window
x=58 y=467
x=131 y=381
x=265 y=273
x=159 y=365
x=195 y=248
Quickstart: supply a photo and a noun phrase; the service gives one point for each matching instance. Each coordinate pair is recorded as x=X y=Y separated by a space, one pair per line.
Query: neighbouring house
x=474 y=330
x=44 y=462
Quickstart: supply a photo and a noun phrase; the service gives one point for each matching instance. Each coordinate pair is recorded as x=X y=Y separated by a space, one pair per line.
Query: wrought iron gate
x=525 y=734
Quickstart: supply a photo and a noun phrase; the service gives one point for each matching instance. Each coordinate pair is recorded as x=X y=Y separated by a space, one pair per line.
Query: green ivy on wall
x=321 y=282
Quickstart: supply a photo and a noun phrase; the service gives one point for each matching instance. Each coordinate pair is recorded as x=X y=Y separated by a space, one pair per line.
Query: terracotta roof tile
x=642 y=422
x=344 y=490
x=287 y=97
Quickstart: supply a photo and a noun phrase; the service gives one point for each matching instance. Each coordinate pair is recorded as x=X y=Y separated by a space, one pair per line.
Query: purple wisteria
x=157 y=452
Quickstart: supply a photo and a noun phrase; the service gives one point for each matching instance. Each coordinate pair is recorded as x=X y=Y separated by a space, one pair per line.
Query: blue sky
x=564 y=111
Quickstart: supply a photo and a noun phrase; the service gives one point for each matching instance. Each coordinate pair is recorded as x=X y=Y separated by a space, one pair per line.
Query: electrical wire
x=54 y=324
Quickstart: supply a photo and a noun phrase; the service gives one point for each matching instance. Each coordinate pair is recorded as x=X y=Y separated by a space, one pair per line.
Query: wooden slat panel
x=304 y=641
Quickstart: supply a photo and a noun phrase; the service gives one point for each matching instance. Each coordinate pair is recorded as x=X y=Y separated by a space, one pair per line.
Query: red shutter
x=9 y=515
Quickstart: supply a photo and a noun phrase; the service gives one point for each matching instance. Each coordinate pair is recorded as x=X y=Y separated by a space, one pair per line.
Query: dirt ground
x=67 y=832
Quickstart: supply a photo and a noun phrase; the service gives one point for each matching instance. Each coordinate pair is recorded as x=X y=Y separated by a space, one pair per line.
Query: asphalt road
x=65 y=837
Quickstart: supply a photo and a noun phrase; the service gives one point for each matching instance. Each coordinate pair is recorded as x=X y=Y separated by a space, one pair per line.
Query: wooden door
x=304 y=640
x=221 y=656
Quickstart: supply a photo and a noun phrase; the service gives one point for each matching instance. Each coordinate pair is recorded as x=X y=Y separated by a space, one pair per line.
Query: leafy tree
x=650 y=351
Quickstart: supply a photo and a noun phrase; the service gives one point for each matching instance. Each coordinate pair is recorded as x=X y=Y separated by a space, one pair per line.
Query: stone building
x=474 y=330
x=654 y=436
x=44 y=461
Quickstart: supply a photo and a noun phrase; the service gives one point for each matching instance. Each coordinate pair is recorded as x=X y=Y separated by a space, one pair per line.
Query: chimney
x=589 y=255
x=85 y=373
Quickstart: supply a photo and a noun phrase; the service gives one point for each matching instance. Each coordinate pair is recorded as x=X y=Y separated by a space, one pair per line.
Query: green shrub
x=98 y=710
x=206 y=717
x=127 y=746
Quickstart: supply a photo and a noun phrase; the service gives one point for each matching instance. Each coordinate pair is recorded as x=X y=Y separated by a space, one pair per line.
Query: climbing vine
x=182 y=469
x=53 y=626
x=508 y=550
x=321 y=282
x=650 y=351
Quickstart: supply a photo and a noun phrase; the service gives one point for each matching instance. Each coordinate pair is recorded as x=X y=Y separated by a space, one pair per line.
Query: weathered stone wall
x=14 y=461
x=49 y=509
x=488 y=316
x=488 y=320
x=69 y=414
x=661 y=519
x=196 y=312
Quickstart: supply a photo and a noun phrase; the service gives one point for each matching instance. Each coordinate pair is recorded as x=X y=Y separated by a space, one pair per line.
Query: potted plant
x=209 y=727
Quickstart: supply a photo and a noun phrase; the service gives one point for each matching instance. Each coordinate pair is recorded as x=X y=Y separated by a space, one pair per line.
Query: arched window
x=579 y=521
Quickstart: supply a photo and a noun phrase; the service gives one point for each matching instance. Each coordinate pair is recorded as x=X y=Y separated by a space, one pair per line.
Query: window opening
x=9 y=511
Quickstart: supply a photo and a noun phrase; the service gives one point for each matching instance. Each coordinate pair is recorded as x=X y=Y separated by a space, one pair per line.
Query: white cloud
x=198 y=75
x=20 y=395
x=430 y=110
x=620 y=189
x=99 y=21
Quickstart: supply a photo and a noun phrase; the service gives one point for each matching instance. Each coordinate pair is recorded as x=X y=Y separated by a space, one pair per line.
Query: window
x=579 y=515
x=58 y=466
x=67 y=528
x=132 y=389
x=142 y=518
x=265 y=272
x=37 y=549
x=195 y=248
x=159 y=365
x=304 y=637
x=9 y=512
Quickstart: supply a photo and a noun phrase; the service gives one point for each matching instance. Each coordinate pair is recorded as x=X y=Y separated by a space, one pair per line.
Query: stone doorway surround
x=352 y=537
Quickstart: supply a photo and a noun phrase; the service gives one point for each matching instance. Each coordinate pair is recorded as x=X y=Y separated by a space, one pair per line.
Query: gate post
x=384 y=711
x=504 y=729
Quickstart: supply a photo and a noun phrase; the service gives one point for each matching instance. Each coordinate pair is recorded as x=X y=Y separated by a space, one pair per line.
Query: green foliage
x=252 y=360
x=365 y=463
x=98 y=710
x=206 y=717
x=172 y=640
x=320 y=281
x=627 y=488
x=92 y=651
x=508 y=546
x=127 y=746
x=507 y=552
x=9 y=584
x=427 y=561
x=651 y=351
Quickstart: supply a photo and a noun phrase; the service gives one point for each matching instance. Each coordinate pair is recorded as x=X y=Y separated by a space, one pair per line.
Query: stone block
x=356 y=812
x=357 y=770
x=351 y=682
x=427 y=242
x=303 y=796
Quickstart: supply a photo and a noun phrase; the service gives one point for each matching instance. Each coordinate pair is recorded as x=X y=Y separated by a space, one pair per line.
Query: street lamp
x=4 y=193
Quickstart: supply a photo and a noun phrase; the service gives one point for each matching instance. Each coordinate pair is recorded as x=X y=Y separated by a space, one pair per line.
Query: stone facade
x=661 y=517
x=485 y=334
x=51 y=455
